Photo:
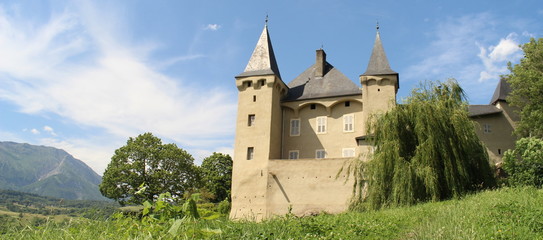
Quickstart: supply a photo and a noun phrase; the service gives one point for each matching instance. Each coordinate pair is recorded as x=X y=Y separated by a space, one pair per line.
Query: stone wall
x=307 y=186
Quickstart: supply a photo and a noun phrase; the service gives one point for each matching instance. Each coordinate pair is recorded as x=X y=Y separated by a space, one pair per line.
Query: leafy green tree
x=424 y=150
x=217 y=175
x=145 y=168
x=526 y=81
x=524 y=164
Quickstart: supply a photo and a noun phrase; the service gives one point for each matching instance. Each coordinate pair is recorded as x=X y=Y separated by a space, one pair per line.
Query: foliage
x=508 y=213
x=190 y=209
x=217 y=175
x=162 y=209
x=145 y=161
x=526 y=79
x=21 y=202
x=425 y=150
x=224 y=207
x=524 y=164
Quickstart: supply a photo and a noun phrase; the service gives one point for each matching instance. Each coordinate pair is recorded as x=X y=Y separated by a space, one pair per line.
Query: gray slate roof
x=378 y=64
x=502 y=90
x=481 y=110
x=333 y=83
x=262 y=60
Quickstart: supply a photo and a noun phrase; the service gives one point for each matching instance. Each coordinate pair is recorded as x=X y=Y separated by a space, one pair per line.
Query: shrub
x=224 y=207
x=524 y=164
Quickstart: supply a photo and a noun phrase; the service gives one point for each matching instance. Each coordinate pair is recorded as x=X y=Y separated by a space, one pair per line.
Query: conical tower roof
x=262 y=60
x=378 y=64
x=502 y=91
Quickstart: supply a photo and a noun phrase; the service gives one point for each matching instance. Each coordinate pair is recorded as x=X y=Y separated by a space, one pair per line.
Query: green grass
x=508 y=213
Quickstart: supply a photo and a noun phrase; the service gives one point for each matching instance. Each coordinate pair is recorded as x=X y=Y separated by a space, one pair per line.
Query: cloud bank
x=495 y=57
x=77 y=67
x=463 y=48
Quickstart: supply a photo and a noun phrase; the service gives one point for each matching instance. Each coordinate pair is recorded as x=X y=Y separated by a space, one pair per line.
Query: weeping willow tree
x=424 y=150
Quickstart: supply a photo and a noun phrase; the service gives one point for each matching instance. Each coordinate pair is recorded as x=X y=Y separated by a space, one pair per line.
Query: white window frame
x=321 y=125
x=320 y=153
x=295 y=130
x=487 y=128
x=348 y=123
x=348 y=150
x=294 y=154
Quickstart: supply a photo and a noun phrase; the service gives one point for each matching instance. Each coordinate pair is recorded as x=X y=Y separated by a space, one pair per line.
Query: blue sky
x=86 y=75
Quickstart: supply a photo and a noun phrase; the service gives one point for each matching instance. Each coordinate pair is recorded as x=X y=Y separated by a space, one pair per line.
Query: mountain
x=46 y=171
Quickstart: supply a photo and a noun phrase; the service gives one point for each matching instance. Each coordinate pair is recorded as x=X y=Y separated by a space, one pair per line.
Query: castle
x=292 y=139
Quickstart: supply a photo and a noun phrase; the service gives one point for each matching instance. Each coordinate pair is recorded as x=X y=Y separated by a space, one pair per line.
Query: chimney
x=321 y=63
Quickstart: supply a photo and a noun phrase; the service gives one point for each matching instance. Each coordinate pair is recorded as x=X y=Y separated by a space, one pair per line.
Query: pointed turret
x=379 y=83
x=258 y=130
x=262 y=61
x=502 y=91
x=378 y=64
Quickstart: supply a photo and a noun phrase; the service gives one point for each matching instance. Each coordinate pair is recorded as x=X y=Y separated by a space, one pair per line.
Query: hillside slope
x=46 y=171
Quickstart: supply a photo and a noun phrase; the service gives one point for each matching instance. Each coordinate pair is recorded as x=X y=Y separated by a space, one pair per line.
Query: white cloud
x=35 y=131
x=454 y=42
x=93 y=152
x=10 y=136
x=495 y=58
x=462 y=49
x=49 y=130
x=528 y=34
x=200 y=154
x=169 y=62
x=77 y=67
x=212 y=27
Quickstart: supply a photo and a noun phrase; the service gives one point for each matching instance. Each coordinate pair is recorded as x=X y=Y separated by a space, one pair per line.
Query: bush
x=224 y=207
x=524 y=164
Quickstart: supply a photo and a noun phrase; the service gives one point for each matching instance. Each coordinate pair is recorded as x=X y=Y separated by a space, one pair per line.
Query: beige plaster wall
x=379 y=94
x=334 y=139
x=500 y=139
x=307 y=186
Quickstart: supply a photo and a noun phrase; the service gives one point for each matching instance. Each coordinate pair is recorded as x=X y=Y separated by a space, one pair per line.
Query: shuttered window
x=321 y=124
x=295 y=127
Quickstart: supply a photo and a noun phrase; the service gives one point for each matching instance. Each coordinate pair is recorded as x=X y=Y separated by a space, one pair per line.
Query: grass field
x=507 y=213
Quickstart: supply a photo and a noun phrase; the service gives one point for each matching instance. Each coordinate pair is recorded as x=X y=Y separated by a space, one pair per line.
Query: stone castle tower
x=258 y=126
x=379 y=83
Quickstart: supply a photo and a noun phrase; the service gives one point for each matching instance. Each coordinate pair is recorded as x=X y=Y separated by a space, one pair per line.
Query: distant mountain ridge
x=46 y=171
